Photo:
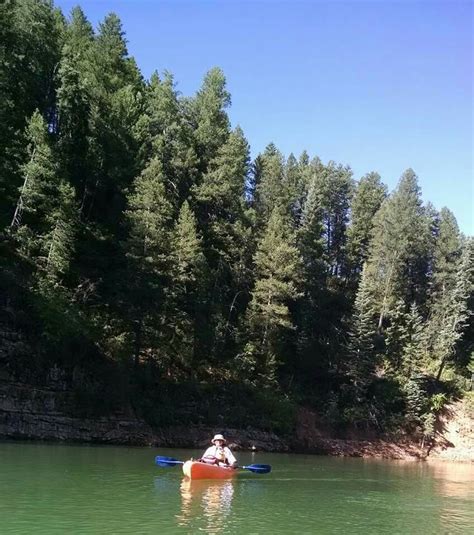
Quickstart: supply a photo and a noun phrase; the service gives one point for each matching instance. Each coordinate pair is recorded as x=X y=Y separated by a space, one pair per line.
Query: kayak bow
x=197 y=470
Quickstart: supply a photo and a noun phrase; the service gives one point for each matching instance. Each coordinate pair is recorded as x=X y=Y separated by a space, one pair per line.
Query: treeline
x=144 y=250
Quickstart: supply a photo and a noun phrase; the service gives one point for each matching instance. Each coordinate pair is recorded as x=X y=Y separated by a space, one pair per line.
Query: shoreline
x=263 y=442
x=37 y=414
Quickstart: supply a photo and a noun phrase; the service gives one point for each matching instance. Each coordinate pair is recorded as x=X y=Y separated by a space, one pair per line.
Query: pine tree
x=322 y=242
x=362 y=358
x=368 y=197
x=405 y=341
x=311 y=317
x=278 y=277
x=30 y=32
x=295 y=182
x=40 y=181
x=75 y=103
x=60 y=241
x=189 y=260
x=447 y=252
x=333 y=188
x=414 y=349
x=209 y=115
x=165 y=133
x=220 y=197
x=450 y=317
x=311 y=233
x=220 y=201
x=45 y=216
x=114 y=68
x=305 y=177
x=254 y=180
x=398 y=239
x=420 y=267
x=101 y=101
x=149 y=217
x=116 y=89
x=396 y=335
x=185 y=295
x=270 y=191
x=79 y=36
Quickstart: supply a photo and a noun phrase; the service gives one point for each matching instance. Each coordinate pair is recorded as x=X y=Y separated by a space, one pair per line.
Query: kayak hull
x=197 y=470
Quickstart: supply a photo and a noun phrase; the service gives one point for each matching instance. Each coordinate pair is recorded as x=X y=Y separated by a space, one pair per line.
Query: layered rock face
x=44 y=410
x=28 y=412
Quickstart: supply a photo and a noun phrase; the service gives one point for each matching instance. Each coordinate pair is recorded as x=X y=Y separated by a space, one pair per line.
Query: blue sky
x=378 y=85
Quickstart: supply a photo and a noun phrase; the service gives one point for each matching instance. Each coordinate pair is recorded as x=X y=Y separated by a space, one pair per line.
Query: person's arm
x=230 y=457
x=211 y=451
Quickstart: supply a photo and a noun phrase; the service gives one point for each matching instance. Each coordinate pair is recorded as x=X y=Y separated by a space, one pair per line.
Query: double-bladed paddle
x=255 y=468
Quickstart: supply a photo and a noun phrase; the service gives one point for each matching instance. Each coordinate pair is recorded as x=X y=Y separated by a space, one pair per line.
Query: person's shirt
x=221 y=453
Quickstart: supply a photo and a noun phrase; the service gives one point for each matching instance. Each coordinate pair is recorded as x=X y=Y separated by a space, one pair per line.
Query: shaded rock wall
x=43 y=412
x=29 y=412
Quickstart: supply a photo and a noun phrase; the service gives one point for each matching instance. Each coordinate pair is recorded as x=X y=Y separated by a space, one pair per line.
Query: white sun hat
x=218 y=437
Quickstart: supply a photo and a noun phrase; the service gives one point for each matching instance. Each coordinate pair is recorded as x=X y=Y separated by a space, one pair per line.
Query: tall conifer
x=362 y=357
x=397 y=242
x=186 y=315
x=270 y=191
x=209 y=115
x=45 y=215
x=29 y=54
x=75 y=104
x=277 y=287
x=220 y=199
x=149 y=217
x=450 y=314
x=165 y=133
x=368 y=197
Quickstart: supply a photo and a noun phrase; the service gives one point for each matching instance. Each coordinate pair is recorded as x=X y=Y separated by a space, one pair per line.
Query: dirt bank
x=453 y=440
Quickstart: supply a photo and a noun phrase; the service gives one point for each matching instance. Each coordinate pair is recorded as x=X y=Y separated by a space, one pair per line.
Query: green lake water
x=52 y=489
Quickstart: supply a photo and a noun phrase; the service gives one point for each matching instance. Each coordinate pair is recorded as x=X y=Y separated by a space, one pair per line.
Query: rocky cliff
x=43 y=412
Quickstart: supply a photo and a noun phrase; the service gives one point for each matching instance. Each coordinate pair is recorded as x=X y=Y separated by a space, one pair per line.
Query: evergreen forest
x=147 y=256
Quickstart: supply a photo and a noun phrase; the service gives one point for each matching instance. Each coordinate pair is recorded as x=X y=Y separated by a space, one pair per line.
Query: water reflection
x=206 y=500
x=441 y=491
x=454 y=482
x=453 y=479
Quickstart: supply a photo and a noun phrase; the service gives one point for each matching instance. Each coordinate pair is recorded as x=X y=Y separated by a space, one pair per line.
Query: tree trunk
x=441 y=368
x=138 y=341
x=19 y=205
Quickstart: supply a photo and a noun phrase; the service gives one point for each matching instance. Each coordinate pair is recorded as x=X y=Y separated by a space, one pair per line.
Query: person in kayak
x=219 y=453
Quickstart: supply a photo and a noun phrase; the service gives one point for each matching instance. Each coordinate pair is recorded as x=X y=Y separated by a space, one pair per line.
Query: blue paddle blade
x=258 y=468
x=166 y=462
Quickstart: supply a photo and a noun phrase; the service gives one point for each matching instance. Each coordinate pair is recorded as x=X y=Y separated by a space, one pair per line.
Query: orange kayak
x=197 y=470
